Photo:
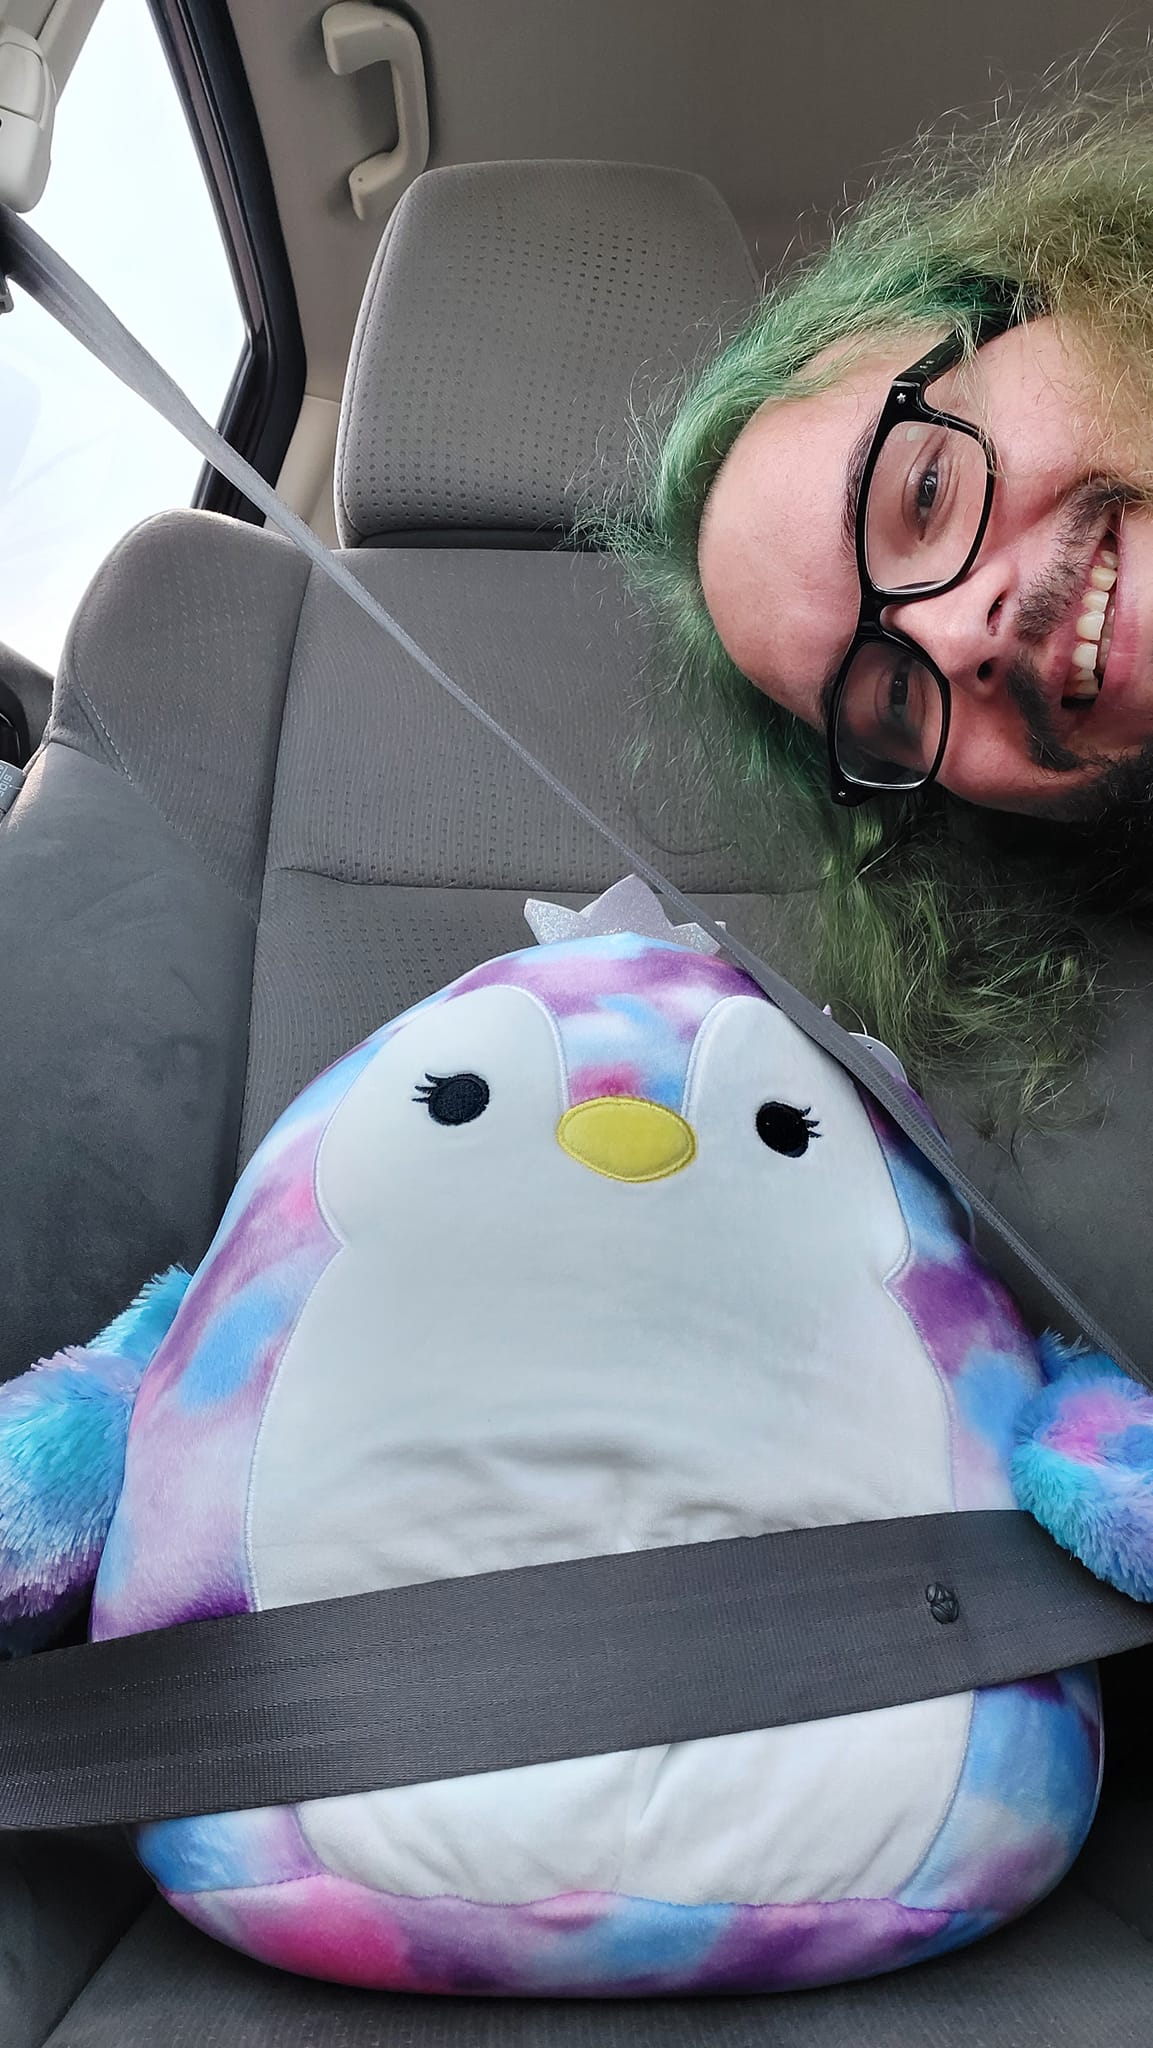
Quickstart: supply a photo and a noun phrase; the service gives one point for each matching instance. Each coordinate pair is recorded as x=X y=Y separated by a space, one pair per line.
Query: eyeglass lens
x=925 y=501
x=890 y=718
x=923 y=511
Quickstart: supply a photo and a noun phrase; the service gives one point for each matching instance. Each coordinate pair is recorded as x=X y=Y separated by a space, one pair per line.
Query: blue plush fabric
x=63 y=1430
x=137 y=1331
x=1060 y=1355
x=1084 y=1465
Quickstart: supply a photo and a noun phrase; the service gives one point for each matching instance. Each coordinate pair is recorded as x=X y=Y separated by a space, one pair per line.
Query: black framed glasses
x=924 y=502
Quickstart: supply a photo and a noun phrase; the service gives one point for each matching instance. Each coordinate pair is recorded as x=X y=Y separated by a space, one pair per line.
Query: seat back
x=517 y=317
x=256 y=829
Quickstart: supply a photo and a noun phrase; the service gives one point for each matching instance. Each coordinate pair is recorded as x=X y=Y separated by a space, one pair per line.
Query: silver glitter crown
x=629 y=906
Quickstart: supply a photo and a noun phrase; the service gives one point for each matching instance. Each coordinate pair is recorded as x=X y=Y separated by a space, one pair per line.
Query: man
x=901 y=536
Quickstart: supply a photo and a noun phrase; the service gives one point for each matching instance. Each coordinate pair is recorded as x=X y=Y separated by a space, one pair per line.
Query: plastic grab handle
x=357 y=34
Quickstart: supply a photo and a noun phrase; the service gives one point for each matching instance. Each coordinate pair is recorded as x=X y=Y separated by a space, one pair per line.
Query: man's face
x=780 y=580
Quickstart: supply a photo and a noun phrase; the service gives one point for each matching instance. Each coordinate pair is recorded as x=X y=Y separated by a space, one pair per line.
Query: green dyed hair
x=957 y=936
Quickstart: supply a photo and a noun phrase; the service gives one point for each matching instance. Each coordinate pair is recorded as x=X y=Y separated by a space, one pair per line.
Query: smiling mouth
x=1094 y=630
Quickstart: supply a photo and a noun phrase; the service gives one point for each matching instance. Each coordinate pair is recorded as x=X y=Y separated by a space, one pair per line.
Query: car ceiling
x=787 y=105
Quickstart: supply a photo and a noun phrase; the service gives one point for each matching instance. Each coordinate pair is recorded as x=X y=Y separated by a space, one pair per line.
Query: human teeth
x=1094 y=636
x=1106 y=642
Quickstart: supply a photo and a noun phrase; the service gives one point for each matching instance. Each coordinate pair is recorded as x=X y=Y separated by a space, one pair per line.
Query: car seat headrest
x=516 y=315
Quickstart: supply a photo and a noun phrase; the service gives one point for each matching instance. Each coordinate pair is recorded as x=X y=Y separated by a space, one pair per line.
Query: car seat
x=255 y=830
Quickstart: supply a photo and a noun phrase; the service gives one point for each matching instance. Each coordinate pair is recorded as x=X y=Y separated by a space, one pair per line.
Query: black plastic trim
x=263 y=403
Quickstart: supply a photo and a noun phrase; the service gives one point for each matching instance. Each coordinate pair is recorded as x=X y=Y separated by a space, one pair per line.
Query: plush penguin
x=591 y=1251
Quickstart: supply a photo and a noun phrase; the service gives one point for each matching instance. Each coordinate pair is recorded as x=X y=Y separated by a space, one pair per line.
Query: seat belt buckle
x=11 y=784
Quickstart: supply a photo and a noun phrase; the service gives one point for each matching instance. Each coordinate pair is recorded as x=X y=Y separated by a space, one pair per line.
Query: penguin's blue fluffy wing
x=63 y=1431
x=1083 y=1464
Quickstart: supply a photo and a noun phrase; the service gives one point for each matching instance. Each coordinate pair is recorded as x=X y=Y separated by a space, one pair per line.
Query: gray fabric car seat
x=516 y=317
x=256 y=830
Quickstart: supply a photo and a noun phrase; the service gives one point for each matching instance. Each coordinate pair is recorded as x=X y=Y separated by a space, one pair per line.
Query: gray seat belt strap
x=32 y=264
x=503 y=1669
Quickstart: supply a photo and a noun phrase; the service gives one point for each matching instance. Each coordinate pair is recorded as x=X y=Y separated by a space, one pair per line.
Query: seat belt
x=497 y=1670
x=489 y=1671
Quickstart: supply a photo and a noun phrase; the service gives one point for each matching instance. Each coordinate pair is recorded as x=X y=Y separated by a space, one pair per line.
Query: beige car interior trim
x=788 y=109
x=59 y=26
x=356 y=35
x=305 y=480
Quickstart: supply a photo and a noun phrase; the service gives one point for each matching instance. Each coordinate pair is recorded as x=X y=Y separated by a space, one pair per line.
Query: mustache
x=1042 y=608
x=1024 y=689
x=1047 y=600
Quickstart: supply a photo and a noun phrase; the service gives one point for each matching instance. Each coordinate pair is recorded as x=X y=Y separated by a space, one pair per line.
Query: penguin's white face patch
x=467 y=1095
x=515 y=1358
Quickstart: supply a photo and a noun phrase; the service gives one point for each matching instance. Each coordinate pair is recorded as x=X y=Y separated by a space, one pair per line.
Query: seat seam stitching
x=266 y=866
x=252 y=913
x=567 y=888
x=90 y=706
x=169 y=824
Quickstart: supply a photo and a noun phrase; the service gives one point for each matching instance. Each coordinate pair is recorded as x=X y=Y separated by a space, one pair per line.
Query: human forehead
x=1033 y=372
x=776 y=563
x=790 y=441
x=772 y=539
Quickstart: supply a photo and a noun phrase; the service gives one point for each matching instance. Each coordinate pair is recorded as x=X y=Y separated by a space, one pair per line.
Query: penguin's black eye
x=785 y=1129
x=453 y=1098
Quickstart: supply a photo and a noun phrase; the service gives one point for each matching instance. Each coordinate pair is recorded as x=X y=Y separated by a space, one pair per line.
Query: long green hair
x=958 y=936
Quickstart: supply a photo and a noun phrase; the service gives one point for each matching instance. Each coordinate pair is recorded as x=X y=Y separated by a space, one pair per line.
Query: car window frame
x=263 y=403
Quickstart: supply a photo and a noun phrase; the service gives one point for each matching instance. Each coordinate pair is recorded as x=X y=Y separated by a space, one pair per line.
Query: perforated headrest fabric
x=516 y=316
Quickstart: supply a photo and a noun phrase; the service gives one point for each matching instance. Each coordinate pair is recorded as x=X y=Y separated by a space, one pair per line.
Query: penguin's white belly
x=460 y=1444
x=831 y=1810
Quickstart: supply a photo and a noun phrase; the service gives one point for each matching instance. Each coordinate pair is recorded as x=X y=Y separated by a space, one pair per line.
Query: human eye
x=925 y=494
x=927 y=488
x=898 y=706
x=894 y=693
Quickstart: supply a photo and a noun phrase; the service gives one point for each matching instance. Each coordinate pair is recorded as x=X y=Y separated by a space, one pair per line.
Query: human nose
x=962 y=629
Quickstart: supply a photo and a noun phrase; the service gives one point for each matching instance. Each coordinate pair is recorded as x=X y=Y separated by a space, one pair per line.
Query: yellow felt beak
x=626 y=1138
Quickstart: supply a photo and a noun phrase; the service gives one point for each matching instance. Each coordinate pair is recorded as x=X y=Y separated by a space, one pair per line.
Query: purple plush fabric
x=627 y=1014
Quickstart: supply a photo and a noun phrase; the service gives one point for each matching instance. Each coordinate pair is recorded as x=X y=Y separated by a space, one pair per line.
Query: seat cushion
x=131 y=871
x=65 y=1900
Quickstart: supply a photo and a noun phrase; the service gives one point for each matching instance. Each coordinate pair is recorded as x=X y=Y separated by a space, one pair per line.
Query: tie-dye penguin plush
x=591 y=1251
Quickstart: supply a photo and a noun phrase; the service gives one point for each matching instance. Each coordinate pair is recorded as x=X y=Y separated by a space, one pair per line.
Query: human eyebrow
x=825 y=697
x=854 y=477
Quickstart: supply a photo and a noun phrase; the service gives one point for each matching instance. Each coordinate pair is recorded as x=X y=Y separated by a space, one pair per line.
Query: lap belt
x=506 y=1668
x=579 y=1658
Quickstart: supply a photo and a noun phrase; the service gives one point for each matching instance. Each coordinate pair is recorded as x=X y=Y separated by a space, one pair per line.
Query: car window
x=81 y=459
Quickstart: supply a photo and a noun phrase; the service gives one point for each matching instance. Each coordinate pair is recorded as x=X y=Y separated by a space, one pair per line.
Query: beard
x=1114 y=841
x=1094 y=848
x=1119 y=798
